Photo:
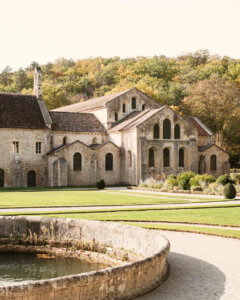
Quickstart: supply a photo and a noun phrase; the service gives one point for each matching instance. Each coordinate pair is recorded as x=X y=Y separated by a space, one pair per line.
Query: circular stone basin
x=25 y=267
x=142 y=254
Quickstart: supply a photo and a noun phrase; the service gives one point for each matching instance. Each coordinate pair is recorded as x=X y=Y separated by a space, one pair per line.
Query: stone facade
x=142 y=137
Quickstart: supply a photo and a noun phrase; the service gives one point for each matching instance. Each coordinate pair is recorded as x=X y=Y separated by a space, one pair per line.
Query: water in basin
x=19 y=267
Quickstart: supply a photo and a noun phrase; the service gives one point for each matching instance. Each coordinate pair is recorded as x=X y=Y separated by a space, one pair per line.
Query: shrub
x=229 y=191
x=196 y=189
x=184 y=179
x=100 y=184
x=206 y=178
x=171 y=181
x=236 y=178
x=225 y=179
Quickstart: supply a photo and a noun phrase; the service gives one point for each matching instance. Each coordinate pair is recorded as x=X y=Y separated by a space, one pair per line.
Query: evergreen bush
x=100 y=184
x=229 y=191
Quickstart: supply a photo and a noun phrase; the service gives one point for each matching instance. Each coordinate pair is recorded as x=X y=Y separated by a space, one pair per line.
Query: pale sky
x=45 y=30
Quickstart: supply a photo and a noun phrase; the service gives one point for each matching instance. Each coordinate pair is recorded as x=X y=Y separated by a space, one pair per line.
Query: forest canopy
x=206 y=86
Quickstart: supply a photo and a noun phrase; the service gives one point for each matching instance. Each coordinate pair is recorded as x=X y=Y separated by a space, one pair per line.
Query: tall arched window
x=1 y=178
x=166 y=129
x=77 y=162
x=143 y=106
x=129 y=158
x=31 y=178
x=134 y=105
x=213 y=163
x=181 y=158
x=124 y=108
x=177 y=132
x=156 y=131
x=116 y=116
x=166 y=158
x=109 y=162
x=64 y=140
x=151 y=158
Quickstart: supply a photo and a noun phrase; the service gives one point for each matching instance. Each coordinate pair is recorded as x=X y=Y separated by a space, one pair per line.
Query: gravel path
x=201 y=268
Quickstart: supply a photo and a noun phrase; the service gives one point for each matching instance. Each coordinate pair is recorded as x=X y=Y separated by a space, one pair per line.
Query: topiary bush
x=100 y=184
x=229 y=191
x=184 y=180
x=225 y=179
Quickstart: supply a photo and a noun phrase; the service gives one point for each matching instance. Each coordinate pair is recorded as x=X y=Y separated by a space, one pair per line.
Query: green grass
x=217 y=216
x=184 y=197
x=48 y=198
x=212 y=231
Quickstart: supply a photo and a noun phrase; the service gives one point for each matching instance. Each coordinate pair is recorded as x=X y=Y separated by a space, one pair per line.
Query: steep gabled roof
x=20 y=111
x=134 y=119
x=76 y=122
x=203 y=130
x=91 y=103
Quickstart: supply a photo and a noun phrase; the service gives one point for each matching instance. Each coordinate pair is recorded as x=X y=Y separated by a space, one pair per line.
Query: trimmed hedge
x=229 y=191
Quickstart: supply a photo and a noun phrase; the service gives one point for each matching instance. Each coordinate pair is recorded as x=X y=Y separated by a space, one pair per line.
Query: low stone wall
x=122 y=282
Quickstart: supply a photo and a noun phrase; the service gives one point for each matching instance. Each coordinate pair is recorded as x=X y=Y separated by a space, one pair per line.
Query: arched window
x=151 y=158
x=129 y=158
x=213 y=163
x=124 y=108
x=109 y=162
x=116 y=116
x=134 y=103
x=143 y=106
x=31 y=178
x=77 y=162
x=177 y=132
x=1 y=178
x=156 y=131
x=64 y=141
x=166 y=129
x=181 y=158
x=166 y=158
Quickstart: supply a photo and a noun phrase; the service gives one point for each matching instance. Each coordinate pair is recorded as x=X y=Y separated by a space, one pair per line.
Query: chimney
x=38 y=83
x=38 y=93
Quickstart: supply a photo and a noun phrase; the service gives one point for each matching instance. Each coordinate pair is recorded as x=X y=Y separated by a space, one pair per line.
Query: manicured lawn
x=184 y=196
x=46 y=198
x=217 y=216
x=214 y=231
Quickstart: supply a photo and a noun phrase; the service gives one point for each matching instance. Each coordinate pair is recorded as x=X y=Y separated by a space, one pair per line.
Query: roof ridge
x=18 y=94
x=144 y=112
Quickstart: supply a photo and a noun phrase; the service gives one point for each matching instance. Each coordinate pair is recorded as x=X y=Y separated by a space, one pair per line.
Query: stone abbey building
x=122 y=138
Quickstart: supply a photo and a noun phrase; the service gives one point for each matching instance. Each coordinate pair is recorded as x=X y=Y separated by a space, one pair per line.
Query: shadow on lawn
x=190 y=278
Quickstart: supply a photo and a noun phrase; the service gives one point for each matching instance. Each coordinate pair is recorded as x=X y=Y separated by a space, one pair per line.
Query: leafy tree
x=217 y=103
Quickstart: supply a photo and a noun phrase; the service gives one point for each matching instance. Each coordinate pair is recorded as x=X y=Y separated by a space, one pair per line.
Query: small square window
x=38 y=147
x=15 y=147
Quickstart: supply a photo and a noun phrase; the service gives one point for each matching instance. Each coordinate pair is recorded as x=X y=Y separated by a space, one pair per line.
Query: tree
x=6 y=76
x=217 y=103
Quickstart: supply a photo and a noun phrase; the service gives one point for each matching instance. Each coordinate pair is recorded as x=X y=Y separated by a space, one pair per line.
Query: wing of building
x=122 y=138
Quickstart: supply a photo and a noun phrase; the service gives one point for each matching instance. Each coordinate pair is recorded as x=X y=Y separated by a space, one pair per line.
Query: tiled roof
x=133 y=120
x=20 y=111
x=75 y=122
x=203 y=130
x=91 y=103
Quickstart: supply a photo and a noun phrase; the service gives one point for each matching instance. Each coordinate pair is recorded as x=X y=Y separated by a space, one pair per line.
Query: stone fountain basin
x=146 y=269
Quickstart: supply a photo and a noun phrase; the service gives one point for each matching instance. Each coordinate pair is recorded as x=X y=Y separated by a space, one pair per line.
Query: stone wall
x=122 y=282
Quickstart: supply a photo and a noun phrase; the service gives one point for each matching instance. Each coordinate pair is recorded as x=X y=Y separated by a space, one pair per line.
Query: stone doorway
x=1 y=178
x=31 y=178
